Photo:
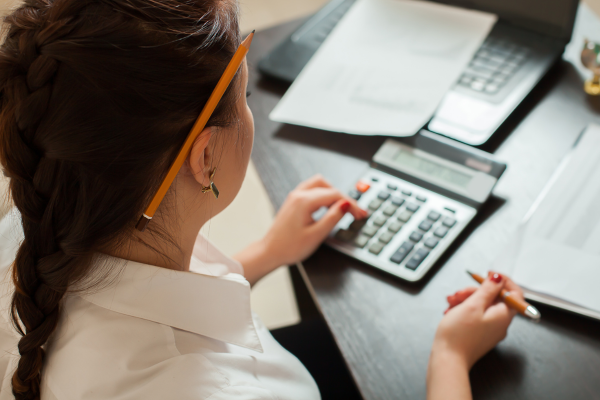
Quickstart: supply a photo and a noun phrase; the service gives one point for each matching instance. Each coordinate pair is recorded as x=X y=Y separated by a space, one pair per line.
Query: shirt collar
x=214 y=306
x=208 y=260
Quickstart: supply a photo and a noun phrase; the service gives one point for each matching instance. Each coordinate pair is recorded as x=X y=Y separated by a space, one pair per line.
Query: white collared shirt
x=156 y=333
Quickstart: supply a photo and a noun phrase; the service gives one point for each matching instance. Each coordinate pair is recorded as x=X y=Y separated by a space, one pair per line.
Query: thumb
x=488 y=291
x=333 y=215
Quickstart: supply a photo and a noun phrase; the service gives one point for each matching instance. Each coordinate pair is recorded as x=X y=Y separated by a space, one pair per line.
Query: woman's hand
x=295 y=235
x=474 y=323
x=476 y=319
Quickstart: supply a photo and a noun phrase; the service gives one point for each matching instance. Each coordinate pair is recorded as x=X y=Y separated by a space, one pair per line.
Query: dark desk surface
x=384 y=326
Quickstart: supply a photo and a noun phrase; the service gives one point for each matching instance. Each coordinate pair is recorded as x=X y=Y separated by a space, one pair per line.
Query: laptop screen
x=550 y=17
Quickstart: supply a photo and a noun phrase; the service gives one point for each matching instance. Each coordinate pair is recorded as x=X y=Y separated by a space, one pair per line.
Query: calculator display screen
x=433 y=169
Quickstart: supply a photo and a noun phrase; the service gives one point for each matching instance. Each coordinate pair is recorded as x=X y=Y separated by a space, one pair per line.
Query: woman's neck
x=169 y=239
x=161 y=247
x=160 y=253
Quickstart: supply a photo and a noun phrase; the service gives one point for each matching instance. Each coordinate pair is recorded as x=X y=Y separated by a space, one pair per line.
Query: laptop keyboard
x=496 y=61
x=317 y=32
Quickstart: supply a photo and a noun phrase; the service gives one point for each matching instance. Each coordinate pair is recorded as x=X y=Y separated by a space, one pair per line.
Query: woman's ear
x=201 y=157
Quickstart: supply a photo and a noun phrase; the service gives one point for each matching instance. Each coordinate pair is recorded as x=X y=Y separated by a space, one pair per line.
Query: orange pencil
x=209 y=108
x=521 y=306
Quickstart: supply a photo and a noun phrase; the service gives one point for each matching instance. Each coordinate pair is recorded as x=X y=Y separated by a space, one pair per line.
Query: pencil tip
x=248 y=41
x=469 y=272
x=142 y=223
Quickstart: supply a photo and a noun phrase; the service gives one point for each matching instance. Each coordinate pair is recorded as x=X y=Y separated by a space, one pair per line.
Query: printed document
x=556 y=251
x=384 y=68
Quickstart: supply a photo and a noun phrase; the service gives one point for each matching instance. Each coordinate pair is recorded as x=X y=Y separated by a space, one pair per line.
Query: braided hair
x=96 y=98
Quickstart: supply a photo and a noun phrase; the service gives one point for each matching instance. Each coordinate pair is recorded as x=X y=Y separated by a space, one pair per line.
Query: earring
x=211 y=187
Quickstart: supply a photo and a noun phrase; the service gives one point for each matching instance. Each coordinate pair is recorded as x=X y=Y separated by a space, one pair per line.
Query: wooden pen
x=521 y=306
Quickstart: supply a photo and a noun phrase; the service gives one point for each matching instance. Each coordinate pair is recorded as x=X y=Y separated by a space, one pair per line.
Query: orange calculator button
x=362 y=186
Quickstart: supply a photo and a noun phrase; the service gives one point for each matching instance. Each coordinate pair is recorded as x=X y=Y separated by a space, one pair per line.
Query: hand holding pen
x=476 y=320
x=517 y=303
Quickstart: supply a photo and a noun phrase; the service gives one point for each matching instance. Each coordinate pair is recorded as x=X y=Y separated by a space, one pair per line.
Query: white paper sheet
x=557 y=249
x=385 y=67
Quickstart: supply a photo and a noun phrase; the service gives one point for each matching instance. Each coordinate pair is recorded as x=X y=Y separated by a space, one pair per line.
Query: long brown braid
x=96 y=98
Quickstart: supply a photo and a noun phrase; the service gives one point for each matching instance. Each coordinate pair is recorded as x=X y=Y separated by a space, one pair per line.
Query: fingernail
x=345 y=207
x=496 y=278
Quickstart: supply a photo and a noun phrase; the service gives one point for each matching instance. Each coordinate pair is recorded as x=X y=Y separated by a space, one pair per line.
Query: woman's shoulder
x=97 y=353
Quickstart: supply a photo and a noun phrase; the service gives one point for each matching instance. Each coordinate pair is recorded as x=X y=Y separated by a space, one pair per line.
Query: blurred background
x=250 y=215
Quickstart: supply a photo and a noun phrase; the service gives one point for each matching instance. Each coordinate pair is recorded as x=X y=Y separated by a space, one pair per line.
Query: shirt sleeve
x=242 y=393
x=11 y=235
x=10 y=238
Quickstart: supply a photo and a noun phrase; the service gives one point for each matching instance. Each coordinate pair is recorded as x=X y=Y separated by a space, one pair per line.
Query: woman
x=97 y=99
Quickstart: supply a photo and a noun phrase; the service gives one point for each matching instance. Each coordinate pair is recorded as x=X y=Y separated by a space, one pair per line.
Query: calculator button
x=407 y=192
x=422 y=199
x=362 y=186
x=398 y=257
x=390 y=210
x=397 y=201
x=441 y=231
x=417 y=259
x=477 y=86
x=491 y=88
x=361 y=241
x=466 y=80
x=434 y=216
x=375 y=204
x=412 y=207
x=402 y=252
x=404 y=216
x=431 y=242
x=395 y=227
x=415 y=236
x=407 y=245
x=386 y=237
x=345 y=235
x=392 y=186
x=357 y=224
x=355 y=194
x=425 y=225
x=376 y=248
x=380 y=220
x=370 y=230
x=383 y=195
x=449 y=222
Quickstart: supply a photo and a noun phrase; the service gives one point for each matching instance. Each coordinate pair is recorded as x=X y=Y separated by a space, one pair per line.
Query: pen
x=521 y=306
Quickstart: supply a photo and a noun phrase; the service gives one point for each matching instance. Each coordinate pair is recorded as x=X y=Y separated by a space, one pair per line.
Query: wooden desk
x=384 y=326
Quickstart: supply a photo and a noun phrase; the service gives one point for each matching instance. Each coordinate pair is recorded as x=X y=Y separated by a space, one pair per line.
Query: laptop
x=529 y=37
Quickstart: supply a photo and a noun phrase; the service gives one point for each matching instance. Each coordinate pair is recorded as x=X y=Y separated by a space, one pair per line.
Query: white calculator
x=421 y=193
